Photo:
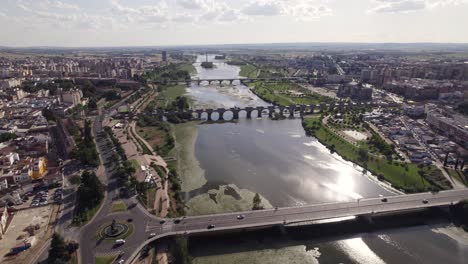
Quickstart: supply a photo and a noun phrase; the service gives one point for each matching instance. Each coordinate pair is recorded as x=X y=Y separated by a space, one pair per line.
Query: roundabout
x=114 y=230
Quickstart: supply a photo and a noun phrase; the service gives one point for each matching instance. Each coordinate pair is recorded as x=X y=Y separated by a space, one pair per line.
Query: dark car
x=162 y=222
x=176 y=221
x=211 y=226
x=384 y=200
x=425 y=201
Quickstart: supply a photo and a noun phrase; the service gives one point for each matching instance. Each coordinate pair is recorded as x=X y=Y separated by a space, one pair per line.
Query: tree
x=91 y=190
x=7 y=136
x=257 y=202
x=88 y=89
x=58 y=252
x=180 y=251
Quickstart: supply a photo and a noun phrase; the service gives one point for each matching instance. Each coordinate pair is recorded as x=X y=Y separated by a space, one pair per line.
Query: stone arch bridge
x=289 y=111
x=231 y=80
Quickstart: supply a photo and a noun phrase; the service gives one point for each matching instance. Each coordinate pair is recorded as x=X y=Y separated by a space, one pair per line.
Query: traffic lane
x=300 y=215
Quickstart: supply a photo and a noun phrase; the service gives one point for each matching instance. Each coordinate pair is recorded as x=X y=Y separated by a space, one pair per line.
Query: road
x=291 y=215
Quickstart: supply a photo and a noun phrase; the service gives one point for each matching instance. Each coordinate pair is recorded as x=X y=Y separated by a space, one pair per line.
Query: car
x=425 y=201
x=152 y=235
x=162 y=222
x=119 y=242
x=240 y=217
x=44 y=203
x=129 y=220
x=34 y=204
x=211 y=226
x=384 y=200
x=121 y=261
x=176 y=221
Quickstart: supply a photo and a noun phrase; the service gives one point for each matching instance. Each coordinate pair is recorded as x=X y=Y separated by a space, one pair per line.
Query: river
x=224 y=164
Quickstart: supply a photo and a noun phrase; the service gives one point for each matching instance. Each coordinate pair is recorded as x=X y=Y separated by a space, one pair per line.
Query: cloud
x=405 y=6
x=263 y=9
x=297 y=9
x=191 y=4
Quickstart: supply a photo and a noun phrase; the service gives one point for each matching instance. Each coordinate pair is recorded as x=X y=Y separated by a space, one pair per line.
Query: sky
x=95 y=23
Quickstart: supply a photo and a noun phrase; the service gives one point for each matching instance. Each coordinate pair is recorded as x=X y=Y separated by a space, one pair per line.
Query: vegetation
x=179 y=251
x=85 y=149
x=207 y=64
x=248 y=70
x=118 y=147
x=460 y=211
x=167 y=73
x=7 y=136
x=287 y=93
x=188 y=68
x=58 y=252
x=119 y=206
x=175 y=186
x=404 y=176
x=257 y=202
x=104 y=259
x=89 y=197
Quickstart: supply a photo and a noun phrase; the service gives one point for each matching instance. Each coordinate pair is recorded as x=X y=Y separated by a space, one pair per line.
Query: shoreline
x=191 y=174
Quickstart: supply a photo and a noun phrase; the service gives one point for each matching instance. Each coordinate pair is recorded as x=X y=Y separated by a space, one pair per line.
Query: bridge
x=366 y=207
x=271 y=110
x=231 y=80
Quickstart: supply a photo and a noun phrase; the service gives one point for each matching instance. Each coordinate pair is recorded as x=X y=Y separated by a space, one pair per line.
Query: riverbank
x=286 y=94
x=188 y=167
x=407 y=177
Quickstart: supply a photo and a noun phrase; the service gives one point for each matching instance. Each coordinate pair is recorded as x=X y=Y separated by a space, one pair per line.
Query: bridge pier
x=231 y=81
x=220 y=82
x=221 y=112
x=291 y=109
x=188 y=83
x=331 y=106
x=323 y=106
x=260 y=110
x=249 y=112
x=281 y=109
x=198 y=83
x=199 y=114
x=271 y=110
x=312 y=108
x=209 y=112
x=235 y=113
x=302 y=110
x=209 y=82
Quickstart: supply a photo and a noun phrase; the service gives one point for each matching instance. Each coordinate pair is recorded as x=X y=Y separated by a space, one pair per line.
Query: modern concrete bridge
x=242 y=80
x=281 y=110
x=366 y=207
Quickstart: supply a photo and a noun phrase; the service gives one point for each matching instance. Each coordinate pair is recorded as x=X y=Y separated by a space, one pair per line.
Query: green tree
x=7 y=136
x=91 y=191
x=257 y=202
x=58 y=251
x=180 y=251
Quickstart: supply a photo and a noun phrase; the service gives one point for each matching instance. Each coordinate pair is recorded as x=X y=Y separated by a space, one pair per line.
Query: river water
x=277 y=160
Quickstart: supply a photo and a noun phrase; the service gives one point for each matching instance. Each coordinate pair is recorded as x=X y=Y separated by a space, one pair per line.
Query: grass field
x=104 y=260
x=188 y=67
x=277 y=93
x=156 y=137
x=248 y=71
x=118 y=207
x=169 y=94
x=404 y=176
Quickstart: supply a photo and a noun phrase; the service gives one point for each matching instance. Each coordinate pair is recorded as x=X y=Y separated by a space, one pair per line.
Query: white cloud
x=404 y=6
x=297 y=9
x=262 y=8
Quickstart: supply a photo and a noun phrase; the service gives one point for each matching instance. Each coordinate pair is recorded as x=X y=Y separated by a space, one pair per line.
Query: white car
x=119 y=242
x=121 y=261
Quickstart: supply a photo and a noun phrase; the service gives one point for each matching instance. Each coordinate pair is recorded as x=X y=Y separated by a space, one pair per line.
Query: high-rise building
x=164 y=56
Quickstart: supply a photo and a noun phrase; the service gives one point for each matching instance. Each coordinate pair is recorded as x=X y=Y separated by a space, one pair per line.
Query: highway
x=290 y=215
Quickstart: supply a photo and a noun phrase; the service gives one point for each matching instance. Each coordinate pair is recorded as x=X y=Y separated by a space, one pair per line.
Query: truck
x=20 y=247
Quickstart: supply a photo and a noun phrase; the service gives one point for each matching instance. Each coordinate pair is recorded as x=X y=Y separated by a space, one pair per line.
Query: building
x=355 y=91
x=72 y=97
x=164 y=56
x=455 y=127
x=414 y=110
x=9 y=83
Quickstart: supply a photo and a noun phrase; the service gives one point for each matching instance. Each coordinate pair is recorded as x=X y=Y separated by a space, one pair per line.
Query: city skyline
x=110 y=23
